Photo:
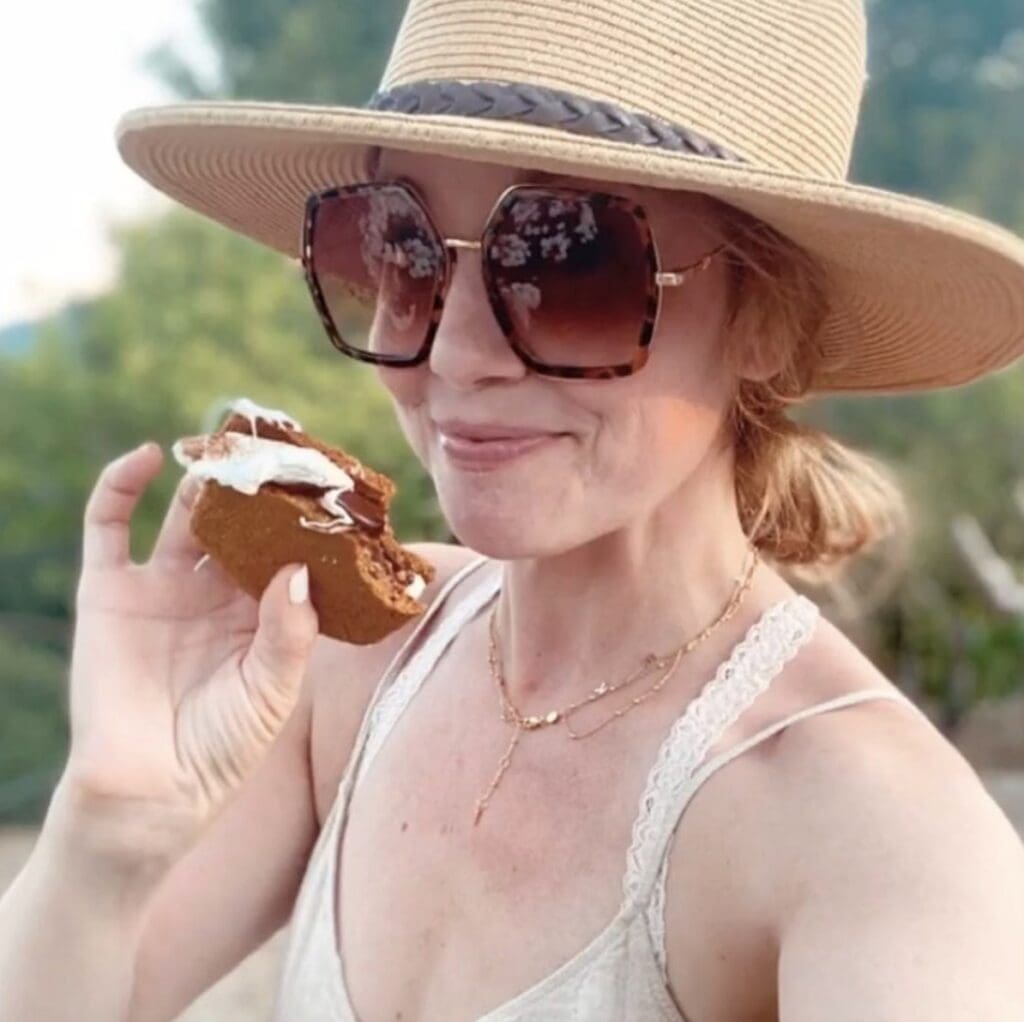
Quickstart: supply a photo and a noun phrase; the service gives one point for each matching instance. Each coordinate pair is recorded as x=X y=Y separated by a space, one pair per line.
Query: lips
x=482 y=454
x=482 y=431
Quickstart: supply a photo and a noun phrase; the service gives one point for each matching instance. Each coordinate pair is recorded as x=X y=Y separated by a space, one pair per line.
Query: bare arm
x=915 y=909
x=235 y=888
x=69 y=924
x=83 y=935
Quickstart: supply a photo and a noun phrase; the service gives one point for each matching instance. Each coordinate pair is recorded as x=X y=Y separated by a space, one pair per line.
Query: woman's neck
x=568 y=622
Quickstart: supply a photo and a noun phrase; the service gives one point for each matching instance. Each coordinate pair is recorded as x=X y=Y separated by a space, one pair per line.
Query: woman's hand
x=180 y=681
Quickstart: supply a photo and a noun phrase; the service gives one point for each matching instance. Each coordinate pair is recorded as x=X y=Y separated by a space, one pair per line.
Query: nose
x=469 y=346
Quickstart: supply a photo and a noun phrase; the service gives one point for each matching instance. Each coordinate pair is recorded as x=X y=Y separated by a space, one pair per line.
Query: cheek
x=407 y=387
x=644 y=450
x=687 y=349
x=407 y=390
x=657 y=426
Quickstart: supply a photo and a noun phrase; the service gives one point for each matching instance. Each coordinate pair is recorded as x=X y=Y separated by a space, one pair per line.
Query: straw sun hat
x=752 y=101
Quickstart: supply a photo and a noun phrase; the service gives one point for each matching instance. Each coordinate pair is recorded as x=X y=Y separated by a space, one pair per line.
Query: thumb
x=275 y=662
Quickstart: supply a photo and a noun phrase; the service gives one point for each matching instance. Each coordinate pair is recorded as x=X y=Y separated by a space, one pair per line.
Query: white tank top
x=620 y=976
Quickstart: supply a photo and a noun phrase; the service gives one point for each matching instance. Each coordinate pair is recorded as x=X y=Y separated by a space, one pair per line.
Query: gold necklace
x=511 y=715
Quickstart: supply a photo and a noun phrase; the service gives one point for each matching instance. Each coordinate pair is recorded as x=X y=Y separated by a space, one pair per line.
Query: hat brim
x=921 y=296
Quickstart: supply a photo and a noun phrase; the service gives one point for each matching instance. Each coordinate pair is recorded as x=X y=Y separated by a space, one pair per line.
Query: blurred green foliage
x=199 y=315
x=33 y=724
x=314 y=51
x=941 y=114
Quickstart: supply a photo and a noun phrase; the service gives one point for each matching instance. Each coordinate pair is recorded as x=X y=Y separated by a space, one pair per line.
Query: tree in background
x=941 y=120
x=314 y=51
x=941 y=116
x=198 y=315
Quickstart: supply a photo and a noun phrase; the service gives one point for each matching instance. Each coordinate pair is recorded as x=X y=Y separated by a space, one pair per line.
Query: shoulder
x=343 y=677
x=877 y=789
x=335 y=663
x=888 y=838
x=886 y=865
x=824 y=831
x=905 y=889
x=879 y=761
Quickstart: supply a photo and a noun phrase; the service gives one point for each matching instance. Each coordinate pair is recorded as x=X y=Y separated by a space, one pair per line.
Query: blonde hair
x=805 y=500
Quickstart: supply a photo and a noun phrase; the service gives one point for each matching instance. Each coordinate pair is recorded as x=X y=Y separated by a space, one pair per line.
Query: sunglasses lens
x=379 y=265
x=570 y=273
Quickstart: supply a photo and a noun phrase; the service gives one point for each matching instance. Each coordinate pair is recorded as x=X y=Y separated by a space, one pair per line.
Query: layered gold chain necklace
x=511 y=715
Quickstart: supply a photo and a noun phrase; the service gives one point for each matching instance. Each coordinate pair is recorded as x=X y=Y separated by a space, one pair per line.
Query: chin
x=523 y=534
x=509 y=549
x=504 y=537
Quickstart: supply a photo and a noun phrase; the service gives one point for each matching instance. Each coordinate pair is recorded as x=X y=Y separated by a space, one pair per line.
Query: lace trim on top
x=769 y=644
x=656 y=903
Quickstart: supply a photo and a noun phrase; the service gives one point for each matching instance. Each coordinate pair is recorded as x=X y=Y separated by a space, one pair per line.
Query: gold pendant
x=481 y=802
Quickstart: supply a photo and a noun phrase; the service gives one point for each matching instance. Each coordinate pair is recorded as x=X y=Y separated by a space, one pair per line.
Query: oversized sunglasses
x=573 y=276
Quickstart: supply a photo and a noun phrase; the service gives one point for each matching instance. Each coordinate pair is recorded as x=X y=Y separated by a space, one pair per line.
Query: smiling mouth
x=488 y=453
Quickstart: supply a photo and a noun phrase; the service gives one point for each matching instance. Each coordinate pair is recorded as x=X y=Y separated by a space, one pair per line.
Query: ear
x=761 y=362
x=753 y=351
x=757 y=355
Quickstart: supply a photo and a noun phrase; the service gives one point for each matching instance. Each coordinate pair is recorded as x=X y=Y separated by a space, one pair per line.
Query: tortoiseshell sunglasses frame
x=656 y=278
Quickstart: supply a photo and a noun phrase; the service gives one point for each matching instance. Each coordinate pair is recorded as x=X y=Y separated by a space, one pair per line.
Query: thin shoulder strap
x=726 y=756
x=415 y=660
x=656 y=906
x=755 y=661
x=398 y=662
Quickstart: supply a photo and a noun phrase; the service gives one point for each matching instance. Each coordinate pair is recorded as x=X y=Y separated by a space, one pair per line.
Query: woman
x=562 y=826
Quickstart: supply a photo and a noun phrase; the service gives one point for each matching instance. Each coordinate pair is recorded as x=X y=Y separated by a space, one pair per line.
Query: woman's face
x=624 y=447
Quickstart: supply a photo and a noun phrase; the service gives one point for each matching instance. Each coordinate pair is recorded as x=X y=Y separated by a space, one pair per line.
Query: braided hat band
x=751 y=103
x=550 y=108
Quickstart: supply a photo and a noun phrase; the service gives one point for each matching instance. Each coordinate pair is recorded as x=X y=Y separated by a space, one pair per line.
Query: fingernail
x=298 y=586
x=190 y=488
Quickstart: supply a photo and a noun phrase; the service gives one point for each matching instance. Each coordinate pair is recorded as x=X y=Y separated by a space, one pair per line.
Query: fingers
x=175 y=544
x=106 y=538
x=275 y=664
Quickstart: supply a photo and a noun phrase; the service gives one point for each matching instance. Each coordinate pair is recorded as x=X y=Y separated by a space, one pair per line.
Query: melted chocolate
x=367 y=513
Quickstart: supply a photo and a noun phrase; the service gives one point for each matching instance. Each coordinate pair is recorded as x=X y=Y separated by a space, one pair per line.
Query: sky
x=67 y=72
